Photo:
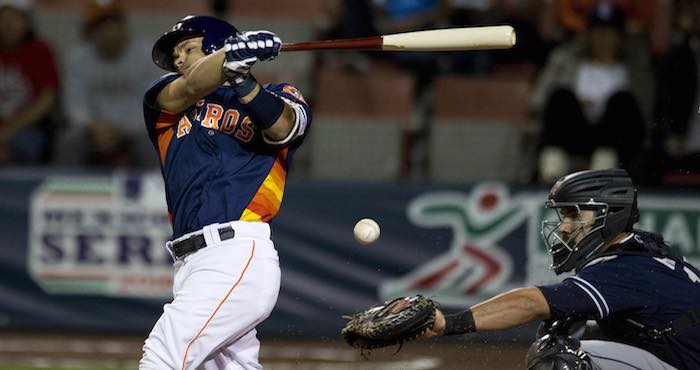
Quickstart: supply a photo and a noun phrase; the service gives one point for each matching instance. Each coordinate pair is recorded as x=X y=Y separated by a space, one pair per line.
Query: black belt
x=196 y=242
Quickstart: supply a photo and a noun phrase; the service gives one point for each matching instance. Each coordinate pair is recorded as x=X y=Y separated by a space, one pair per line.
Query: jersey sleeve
x=155 y=117
x=601 y=290
x=302 y=113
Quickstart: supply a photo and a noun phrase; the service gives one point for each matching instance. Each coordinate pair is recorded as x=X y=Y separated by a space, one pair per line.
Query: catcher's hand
x=438 y=328
x=393 y=322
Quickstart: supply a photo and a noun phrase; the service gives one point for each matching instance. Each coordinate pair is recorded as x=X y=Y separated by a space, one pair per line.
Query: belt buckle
x=187 y=253
x=181 y=257
x=175 y=254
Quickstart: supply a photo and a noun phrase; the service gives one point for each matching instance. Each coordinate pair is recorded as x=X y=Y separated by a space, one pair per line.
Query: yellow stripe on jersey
x=267 y=200
x=249 y=215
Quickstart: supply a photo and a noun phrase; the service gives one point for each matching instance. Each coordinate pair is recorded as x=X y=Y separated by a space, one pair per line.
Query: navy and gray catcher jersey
x=651 y=290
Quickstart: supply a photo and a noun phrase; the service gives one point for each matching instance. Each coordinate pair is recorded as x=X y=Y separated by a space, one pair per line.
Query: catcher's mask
x=214 y=30
x=558 y=352
x=592 y=208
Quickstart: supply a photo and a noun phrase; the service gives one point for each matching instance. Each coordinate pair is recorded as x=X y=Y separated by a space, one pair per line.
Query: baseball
x=366 y=231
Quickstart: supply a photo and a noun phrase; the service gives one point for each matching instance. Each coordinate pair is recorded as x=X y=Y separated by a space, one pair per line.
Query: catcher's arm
x=504 y=311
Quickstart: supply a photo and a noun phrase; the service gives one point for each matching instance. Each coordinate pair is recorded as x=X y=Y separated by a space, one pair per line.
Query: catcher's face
x=187 y=52
x=573 y=224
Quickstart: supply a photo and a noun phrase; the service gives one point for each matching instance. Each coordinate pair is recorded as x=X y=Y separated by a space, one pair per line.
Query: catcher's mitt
x=393 y=322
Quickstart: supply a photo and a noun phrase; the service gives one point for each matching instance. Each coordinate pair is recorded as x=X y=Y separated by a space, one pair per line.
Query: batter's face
x=187 y=52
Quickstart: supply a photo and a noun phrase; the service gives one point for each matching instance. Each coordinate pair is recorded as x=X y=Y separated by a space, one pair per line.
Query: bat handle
x=366 y=43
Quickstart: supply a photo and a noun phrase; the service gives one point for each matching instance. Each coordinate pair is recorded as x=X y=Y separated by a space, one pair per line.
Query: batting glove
x=244 y=49
x=264 y=44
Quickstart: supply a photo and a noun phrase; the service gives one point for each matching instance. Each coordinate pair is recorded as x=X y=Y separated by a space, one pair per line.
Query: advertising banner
x=100 y=236
x=87 y=252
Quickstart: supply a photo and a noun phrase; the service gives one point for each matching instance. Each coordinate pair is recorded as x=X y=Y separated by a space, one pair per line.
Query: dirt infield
x=44 y=351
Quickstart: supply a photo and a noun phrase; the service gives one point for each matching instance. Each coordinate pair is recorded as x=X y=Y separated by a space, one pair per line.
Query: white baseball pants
x=610 y=355
x=220 y=294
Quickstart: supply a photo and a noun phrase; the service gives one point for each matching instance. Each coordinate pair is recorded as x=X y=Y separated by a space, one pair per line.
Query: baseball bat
x=448 y=39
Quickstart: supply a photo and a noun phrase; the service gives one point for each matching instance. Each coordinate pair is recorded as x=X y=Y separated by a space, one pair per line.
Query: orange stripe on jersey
x=164 y=129
x=278 y=174
x=166 y=119
x=267 y=200
x=264 y=205
x=164 y=138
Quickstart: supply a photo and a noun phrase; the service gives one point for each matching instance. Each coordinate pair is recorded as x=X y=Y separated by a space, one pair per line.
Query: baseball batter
x=644 y=296
x=225 y=144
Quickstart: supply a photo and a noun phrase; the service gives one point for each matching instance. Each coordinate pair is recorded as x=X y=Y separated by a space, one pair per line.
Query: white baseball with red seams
x=366 y=231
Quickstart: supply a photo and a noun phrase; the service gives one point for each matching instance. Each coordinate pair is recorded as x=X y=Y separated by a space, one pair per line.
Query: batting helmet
x=610 y=194
x=214 y=30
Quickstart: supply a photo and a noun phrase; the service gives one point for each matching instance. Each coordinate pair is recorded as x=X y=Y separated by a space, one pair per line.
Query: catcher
x=644 y=297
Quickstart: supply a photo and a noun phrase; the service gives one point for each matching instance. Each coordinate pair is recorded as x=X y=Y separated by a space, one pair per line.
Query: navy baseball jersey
x=646 y=289
x=216 y=165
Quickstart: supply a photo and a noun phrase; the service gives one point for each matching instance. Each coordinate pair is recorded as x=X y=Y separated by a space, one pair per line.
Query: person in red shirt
x=28 y=87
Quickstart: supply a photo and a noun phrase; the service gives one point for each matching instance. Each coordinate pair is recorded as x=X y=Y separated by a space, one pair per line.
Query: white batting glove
x=243 y=50
x=239 y=58
x=264 y=44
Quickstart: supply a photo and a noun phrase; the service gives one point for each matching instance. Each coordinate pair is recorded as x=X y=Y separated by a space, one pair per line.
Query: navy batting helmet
x=214 y=30
x=610 y=194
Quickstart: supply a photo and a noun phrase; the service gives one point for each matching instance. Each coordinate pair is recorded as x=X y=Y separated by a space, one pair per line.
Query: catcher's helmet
x=214 y=30
x=609 y=193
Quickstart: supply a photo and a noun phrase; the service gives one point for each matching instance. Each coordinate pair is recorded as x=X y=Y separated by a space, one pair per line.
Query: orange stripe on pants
x=252 y=253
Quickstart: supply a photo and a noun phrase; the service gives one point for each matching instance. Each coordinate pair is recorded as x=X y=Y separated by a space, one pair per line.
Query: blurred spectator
x=105 y=78
x=572 y=13
x=676 y=134
x=409 y=15
x=523 y=15
x=28 y=87
x=467 y=13
x=348 y=19
x=345 y=19
x=589 y=100
x=650 y=20
x=219 y=8
x=395 y=16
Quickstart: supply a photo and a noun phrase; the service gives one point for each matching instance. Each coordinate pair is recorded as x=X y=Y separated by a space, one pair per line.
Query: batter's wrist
x=459 y=323
x=243 y=85
x=265 y=109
